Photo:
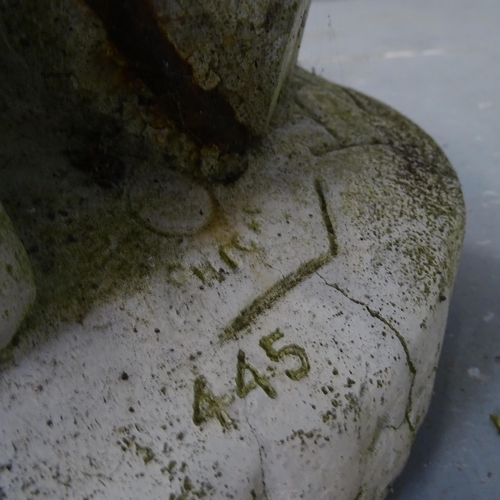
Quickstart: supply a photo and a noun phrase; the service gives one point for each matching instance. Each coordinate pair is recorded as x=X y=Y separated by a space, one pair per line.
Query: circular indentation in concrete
x=169 y=202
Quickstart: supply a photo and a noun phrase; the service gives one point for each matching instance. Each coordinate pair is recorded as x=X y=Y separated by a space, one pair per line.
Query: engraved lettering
x=207 y=406
x=289 y=350
x=242 y=389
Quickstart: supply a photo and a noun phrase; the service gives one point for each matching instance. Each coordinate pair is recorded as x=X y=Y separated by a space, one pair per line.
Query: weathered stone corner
x=17 y=286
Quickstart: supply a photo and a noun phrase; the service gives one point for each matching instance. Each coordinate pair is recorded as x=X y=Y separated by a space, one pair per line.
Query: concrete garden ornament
x=237 y=295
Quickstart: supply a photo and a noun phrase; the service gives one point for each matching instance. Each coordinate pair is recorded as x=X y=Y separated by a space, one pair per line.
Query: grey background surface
x=438 y=62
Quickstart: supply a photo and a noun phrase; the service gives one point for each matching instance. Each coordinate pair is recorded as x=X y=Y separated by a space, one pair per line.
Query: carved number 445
x=206 y=405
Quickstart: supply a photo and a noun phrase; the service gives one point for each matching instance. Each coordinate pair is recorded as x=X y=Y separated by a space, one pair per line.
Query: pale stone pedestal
x=275 y=338
x=271 y=337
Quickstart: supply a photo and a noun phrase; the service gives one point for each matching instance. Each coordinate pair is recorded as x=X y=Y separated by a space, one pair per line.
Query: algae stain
x=267 y=300
x=207 y=274
x=254 y=226
x=87 y=257
x=224 y=254
x=147 y=453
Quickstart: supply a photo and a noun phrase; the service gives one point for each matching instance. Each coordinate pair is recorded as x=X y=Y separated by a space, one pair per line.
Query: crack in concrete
x=275 y=269
x=341 y=146
x=262 y=473
x=401 y=339
x=266 y=300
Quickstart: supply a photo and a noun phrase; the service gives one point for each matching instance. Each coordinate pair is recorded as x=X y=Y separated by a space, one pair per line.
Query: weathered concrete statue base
x=276 y=338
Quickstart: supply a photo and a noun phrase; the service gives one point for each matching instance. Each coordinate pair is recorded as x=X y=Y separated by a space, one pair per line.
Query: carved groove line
x=267 y=300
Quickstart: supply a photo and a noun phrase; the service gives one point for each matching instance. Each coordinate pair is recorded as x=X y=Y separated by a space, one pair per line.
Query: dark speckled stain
x=133 y=28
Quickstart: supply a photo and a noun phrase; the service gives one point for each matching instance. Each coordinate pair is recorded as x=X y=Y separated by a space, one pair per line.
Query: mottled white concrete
x=276 y=338
x=438 y=64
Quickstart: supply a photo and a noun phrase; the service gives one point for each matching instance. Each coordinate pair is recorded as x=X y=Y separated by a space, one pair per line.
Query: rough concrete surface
x=277 y=339
x=193 y=82
x=17 y=286
x=439 y=64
